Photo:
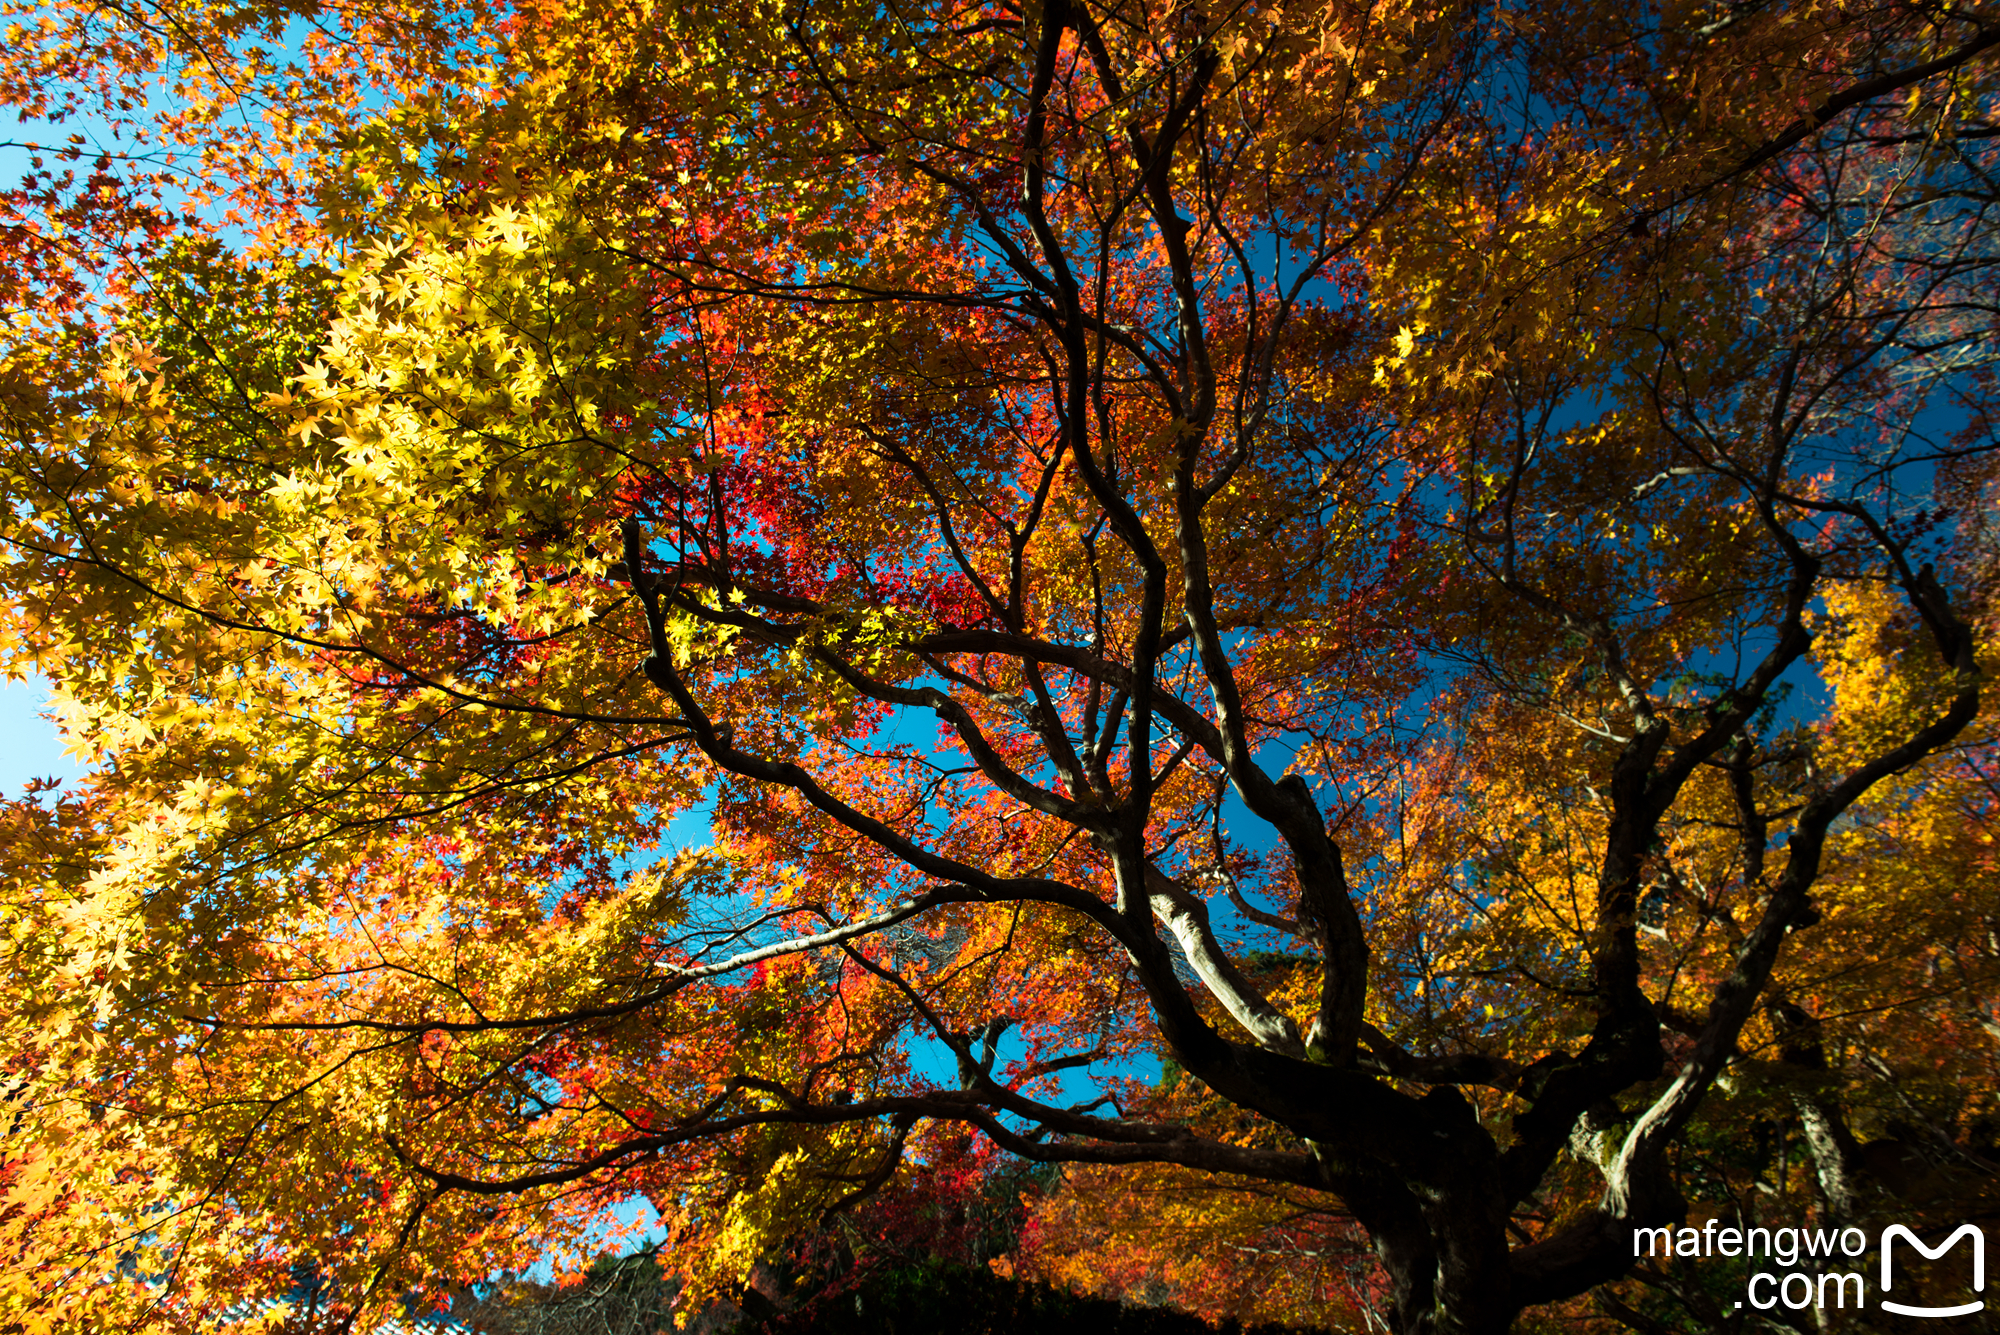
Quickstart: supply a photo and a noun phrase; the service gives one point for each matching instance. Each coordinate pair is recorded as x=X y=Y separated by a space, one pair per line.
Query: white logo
x=1894 y=1231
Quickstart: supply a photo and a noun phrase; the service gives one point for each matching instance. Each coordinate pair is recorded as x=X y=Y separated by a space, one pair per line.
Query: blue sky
x=29 y=744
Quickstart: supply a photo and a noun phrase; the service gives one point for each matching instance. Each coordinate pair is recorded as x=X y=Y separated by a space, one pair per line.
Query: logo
x=1803 y=1261
x=1894 y=1231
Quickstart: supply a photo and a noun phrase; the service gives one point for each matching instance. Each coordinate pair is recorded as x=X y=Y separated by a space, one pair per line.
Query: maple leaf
x=1301 y=546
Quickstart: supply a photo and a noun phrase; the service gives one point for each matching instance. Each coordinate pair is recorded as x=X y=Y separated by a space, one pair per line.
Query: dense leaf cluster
x=773 y=612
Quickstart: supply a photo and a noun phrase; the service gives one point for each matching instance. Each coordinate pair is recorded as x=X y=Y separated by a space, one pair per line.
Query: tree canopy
x=1359 y=625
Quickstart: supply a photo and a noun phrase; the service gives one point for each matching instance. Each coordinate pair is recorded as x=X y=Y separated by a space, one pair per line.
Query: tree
x=1075 y=496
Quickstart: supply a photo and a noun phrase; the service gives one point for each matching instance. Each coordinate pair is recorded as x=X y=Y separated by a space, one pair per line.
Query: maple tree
x=1384 y=554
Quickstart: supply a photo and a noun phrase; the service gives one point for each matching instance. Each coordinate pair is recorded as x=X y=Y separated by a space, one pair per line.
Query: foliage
x=1426 y=564
x=940 y=1297
x=924 y=1297
x=626 y=1295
